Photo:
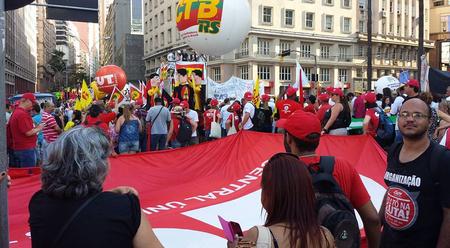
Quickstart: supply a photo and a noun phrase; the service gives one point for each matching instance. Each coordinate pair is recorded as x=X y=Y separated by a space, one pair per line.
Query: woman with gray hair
x=72 y=211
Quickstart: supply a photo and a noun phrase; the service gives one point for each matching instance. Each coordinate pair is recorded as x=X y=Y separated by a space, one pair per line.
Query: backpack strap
x=264 y=239
x=72 y=218
x=324 y=175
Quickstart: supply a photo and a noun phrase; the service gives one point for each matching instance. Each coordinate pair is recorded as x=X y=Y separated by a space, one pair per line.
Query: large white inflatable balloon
x=386 y=82
x=213 y=27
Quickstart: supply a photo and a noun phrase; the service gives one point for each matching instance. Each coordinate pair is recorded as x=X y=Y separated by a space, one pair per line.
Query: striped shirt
x=50 y=134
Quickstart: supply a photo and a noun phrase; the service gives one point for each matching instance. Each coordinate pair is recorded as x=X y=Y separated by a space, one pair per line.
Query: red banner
x=182 y=191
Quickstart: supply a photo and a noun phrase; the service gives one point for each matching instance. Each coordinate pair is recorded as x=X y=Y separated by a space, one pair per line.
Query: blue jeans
x=128 y=146
x=24 y=158
x=158 y=140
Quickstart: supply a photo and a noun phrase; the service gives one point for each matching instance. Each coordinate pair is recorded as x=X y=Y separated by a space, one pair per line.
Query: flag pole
x=300 y=87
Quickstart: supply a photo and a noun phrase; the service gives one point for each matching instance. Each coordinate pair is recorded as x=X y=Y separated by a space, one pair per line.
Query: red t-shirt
x=287 y=107
x=176 y=126
x=50 y=134
x=348 y=179
x=322 y=110
x=107 y=117
x=19 y=124
x=234 y=116
x=374 y=121
x=97 y=122
x=310 y=108
x=209 y=117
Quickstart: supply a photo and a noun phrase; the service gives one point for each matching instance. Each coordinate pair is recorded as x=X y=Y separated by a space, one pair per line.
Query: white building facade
x=327 y=37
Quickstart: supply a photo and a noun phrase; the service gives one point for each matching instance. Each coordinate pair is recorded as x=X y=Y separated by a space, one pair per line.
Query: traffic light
x=285 y=53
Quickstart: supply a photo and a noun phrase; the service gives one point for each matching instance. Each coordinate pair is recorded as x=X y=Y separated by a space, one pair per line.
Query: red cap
x=324 y=97
x=175 y=101
x=413 y=83
x=300 y=124
x=214 y=103
x=265 y=98
x=329 y=89
x=236 y=107
x=337 y=91
x=291 y=91
x=370 y=97
x=184 y=104
x=248 y=96
x=29 y=96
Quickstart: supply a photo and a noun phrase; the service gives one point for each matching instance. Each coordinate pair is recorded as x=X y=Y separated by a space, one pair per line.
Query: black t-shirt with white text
x=414 y=199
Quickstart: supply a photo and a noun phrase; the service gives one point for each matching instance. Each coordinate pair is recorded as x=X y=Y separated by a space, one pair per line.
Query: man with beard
x=416 y=208
x=302 y=137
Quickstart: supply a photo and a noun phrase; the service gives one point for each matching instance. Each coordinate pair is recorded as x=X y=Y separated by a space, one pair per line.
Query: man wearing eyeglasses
x=416 y=208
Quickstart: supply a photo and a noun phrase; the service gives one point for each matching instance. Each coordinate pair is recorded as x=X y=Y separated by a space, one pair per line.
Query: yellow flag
x=78 y=105
x=86 y=97
x=256 y=96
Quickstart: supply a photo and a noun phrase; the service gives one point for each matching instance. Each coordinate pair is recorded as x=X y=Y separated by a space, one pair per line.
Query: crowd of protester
x=295 y=185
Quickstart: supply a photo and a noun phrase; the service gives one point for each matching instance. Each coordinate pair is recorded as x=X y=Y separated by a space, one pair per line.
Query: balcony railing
x=241 y=55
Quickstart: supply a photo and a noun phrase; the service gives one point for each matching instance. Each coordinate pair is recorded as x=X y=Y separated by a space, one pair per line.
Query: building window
x=156 y=41
x=264 y=72
x=305 y=50
x=146 y=8
x=289 y=17
x=263 y=46
x=169 y=14
x=162 y=16
x=445 y=23
x=343 y=75
x=285 y=73
x=178 y=35
x=150 y=4
x=285 y=45
x=391 y=6
x=307 y=72
x=346 y=3
x=359 y=72
x=244 y=47
x=156 y=4
x=391 y=29
x=151 y=44
x=346 y=25
x=328 y=2
x=361 y=50
x=150 y=24
x=267 y=15
x=169 y=35
x=328 y=23
x=378 y=52
x=309 y=20
x=343 y=53
x=243 y=72
x=361 y=26
x=325 y=51
x=216 y=74
x=156 y=21
x=162 y=39
x=324 y=74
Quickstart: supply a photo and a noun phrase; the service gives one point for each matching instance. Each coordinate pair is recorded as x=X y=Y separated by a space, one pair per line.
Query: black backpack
x=259 y=119
x=184 y=131
x=386 y=130
x=334 y=210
